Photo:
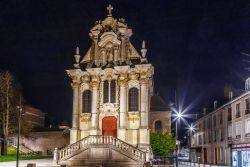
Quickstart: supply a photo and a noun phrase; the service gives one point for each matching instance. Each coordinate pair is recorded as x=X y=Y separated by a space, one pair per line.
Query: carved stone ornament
x=74 y=84
x=85 y=117
x=109 y=109
x=133 y=75
x=85 y=78
x=133 y=116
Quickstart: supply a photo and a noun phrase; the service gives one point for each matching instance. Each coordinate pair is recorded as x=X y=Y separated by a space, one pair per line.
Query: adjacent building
x=34 y=116
x=223 y=136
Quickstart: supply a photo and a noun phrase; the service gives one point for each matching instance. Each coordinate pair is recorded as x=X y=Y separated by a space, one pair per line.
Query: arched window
x=113 y=91
x=158 y=126
x=133 y=99
x=106 y=91
x=109 y=91
x=86 y=101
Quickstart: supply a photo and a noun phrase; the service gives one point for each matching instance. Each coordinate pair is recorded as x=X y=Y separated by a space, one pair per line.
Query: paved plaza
x=23 y=163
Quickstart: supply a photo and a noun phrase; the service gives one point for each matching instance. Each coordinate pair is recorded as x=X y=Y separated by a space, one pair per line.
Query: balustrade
x=99 y=140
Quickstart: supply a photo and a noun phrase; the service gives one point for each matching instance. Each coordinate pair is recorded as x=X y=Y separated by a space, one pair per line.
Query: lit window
x=238 y=130
x=86 y=101
x=133 y=99
x=229 y=131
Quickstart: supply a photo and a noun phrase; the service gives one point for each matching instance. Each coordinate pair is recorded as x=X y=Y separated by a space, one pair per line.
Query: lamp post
x=19 y=108
x=179 y=116
x=191 y=129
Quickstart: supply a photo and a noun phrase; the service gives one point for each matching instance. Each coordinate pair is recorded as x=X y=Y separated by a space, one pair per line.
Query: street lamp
x=178 y=117
x=191 y=129
x=19 y=109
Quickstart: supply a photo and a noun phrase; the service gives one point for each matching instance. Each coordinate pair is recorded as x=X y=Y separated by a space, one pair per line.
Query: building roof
x=158 y=104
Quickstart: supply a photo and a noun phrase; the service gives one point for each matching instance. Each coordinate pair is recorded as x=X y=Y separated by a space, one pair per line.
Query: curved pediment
x=109 y=37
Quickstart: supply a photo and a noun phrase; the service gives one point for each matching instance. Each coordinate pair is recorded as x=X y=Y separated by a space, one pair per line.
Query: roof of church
x=158 y=104
x=111 y=45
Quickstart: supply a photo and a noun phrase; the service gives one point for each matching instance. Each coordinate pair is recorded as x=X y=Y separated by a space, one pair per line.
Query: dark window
x=229 y=114
x=86 y=101
x=106 y=91
x=133 y=99
x=209 y=122
x=158 y=126
x=222 y=135
x=214 y=136
x=204 y=138
x=204 y=124
x=221 y=118
x=113 y=91
x=214 y=120
x=247 y=106
x=238 y=110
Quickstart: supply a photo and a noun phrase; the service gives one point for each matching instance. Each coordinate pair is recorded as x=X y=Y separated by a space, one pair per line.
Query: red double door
x=109 y=126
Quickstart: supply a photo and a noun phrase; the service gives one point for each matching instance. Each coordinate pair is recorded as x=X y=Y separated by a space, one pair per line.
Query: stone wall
x=45 y=142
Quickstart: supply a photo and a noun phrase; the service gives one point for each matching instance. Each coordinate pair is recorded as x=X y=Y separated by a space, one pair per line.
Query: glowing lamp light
x=179 y=115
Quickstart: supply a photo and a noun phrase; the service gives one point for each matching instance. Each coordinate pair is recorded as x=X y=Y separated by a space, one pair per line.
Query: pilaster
x=123 y=100
x=94 y=85
x=75 y=116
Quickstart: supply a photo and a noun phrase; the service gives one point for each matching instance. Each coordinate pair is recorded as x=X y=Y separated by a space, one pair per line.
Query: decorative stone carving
x=85 y=117
x=133 y=75
x=133 y=116
x=85 y=78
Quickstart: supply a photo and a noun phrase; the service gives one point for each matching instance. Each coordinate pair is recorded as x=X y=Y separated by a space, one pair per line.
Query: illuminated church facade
x=112 y=89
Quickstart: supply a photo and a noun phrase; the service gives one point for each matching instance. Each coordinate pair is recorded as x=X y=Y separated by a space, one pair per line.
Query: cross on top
x=110 y=8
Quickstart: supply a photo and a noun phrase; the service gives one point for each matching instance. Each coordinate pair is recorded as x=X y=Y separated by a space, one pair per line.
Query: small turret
x=143 y=52
x=77 y=57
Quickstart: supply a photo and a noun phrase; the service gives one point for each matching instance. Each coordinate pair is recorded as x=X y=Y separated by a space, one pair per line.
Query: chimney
x=215 y=104
x=230 y=96
x=204 y=111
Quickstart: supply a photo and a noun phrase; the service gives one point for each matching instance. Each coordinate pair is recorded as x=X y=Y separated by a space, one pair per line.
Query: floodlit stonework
x=112 y=88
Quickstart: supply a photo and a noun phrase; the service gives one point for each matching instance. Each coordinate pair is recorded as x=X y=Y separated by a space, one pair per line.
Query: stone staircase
x=100 y=150
x=25 y=150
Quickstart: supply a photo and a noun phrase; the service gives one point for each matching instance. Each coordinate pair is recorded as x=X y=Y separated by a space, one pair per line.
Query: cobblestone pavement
x=23 y=163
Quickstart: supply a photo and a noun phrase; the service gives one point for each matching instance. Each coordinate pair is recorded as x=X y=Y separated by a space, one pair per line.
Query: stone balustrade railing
x=84 y=143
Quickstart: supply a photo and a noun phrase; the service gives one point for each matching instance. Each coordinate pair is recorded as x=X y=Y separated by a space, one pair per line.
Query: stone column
x=94 y=104
x=75 y=87
x=123 y=104
x=75 y=114
x=144 y=131
x=123 y=48
x=123 y=108
x=144 y=104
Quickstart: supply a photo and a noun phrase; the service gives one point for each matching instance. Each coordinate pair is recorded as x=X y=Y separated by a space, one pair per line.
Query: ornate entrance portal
x=109 y=126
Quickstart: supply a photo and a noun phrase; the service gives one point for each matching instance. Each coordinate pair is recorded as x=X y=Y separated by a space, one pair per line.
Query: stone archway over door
x=109 y=126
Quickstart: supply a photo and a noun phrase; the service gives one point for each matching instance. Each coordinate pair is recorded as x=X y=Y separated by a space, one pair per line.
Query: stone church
x=112 y=91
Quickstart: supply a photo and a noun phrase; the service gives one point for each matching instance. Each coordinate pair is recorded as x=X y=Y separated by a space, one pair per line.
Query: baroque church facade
x=112 y=88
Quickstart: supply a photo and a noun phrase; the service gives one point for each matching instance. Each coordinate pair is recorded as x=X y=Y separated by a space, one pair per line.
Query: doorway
x=109 y=126
x=205 y=155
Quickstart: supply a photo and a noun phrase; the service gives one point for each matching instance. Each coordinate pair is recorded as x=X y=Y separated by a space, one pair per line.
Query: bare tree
x=9 y=97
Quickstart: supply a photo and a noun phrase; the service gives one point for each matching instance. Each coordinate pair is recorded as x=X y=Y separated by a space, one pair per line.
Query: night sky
x=195 y=45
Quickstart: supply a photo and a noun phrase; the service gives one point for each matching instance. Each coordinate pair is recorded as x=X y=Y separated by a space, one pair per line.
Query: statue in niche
x=110 y=55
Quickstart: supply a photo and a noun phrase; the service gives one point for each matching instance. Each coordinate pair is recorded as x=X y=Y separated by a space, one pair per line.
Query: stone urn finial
x=77 y=56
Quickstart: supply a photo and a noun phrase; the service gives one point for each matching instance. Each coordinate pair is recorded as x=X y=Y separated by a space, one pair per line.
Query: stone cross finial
x=110 y=8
